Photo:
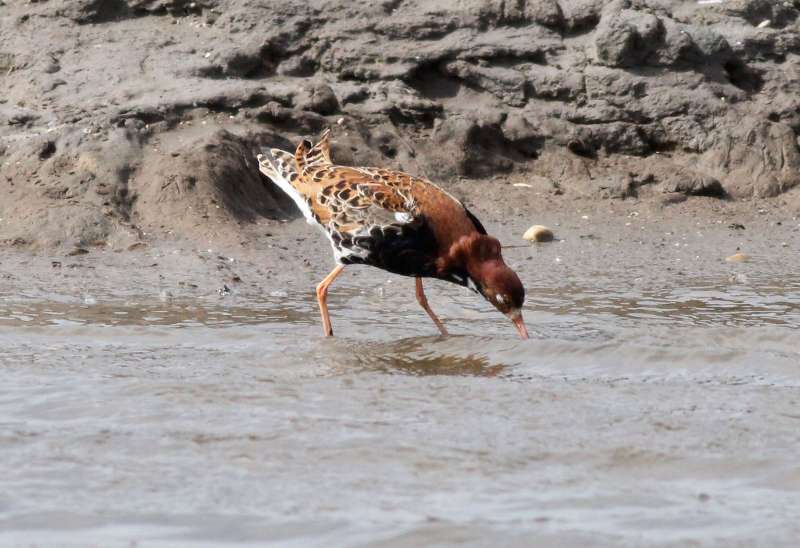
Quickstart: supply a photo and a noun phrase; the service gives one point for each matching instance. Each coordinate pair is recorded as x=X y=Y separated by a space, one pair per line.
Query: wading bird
x=396 y=222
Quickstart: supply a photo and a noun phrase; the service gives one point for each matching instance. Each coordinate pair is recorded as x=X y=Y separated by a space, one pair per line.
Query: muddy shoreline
x=665 y=241
x=655 y=403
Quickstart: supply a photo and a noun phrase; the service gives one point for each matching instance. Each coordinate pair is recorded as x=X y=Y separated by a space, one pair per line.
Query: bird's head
x=493 y=278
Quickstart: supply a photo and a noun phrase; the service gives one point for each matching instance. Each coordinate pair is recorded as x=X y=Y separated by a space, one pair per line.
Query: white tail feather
x=278 y=172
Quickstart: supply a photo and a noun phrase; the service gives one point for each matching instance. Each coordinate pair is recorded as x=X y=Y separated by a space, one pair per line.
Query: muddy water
x=633 y=416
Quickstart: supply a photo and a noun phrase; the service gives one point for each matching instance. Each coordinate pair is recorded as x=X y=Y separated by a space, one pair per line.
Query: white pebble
x=538 y=233
x=738 y=257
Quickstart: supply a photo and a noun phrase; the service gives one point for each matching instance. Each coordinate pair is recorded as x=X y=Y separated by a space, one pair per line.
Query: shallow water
x=633 y=416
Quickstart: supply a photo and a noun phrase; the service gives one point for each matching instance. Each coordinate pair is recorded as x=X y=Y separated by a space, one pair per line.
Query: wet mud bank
x=170 y=395
x=607 y=101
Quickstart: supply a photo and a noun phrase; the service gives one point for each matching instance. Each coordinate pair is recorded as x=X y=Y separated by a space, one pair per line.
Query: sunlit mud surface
x=632 y=416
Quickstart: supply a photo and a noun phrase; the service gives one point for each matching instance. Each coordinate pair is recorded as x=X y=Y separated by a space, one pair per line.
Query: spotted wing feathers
x=308 y=157
x=363 y=216
x=354 y=202
x=370 y=215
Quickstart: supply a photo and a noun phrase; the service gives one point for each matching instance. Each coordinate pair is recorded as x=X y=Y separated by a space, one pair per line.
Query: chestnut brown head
x=490 y=276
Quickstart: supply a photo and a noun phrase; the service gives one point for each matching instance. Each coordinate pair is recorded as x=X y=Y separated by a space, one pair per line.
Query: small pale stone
x=738 y=257
x=538 y=233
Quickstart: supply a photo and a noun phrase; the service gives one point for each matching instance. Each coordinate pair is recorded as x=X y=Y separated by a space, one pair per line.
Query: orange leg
x=423 y=301
x=322 y=295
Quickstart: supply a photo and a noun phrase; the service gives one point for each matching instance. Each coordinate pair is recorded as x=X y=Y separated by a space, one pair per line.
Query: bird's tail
x=278 y=165
x=281 y=167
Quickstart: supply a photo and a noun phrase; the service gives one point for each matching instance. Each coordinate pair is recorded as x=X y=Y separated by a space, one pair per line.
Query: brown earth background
x=124 y=121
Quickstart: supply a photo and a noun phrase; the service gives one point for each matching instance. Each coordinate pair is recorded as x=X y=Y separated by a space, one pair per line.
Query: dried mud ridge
x=128 y=119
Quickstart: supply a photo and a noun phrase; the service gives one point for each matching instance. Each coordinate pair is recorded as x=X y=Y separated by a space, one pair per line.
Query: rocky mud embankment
x=129 y=120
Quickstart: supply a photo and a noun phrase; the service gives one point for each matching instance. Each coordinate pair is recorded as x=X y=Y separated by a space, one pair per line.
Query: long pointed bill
x=520 y=325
